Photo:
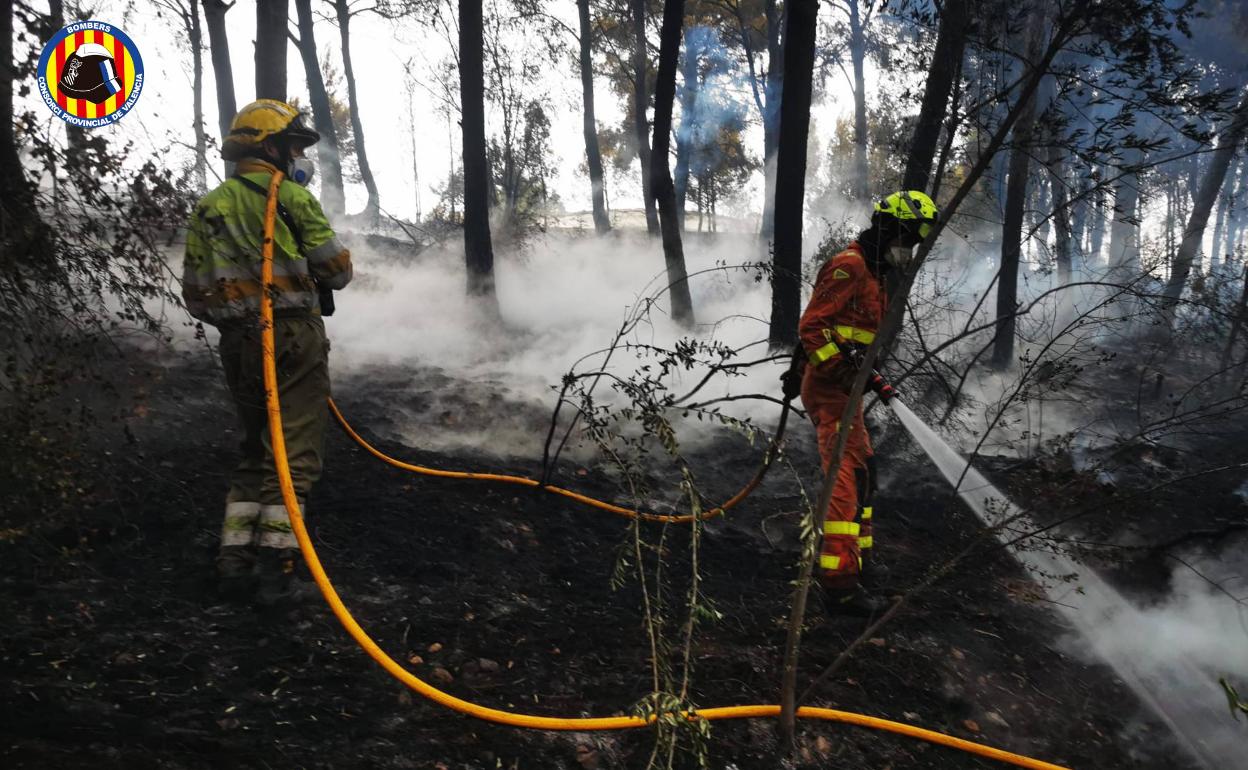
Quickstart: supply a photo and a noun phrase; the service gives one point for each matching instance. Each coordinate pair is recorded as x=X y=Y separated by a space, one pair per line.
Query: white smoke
x=1170 y=653
x=488 y=386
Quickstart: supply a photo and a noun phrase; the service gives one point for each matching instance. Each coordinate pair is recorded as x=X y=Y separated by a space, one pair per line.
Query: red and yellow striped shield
x=125 y=73
x=107 y=62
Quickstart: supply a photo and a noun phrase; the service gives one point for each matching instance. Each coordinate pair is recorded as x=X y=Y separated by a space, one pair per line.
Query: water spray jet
x=1182 y=694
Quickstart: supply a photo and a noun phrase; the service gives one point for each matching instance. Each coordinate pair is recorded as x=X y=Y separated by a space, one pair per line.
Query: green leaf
x=1233 y=700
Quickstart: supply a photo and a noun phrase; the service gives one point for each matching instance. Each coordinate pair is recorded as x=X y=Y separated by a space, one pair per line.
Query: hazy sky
x=162 y=118
x=161 y=121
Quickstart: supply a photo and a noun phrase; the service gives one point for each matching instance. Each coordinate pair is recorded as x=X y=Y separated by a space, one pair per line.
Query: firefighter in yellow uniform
x=221 y=286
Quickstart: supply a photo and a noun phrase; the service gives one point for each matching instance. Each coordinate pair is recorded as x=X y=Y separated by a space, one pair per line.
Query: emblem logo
x=90 y=74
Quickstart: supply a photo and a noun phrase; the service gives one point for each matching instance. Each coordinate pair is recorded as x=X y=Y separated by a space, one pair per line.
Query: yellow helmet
x=913 y=209
x=262 y=119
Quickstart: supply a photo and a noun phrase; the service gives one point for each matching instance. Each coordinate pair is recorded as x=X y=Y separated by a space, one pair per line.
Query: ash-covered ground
x=121 y=654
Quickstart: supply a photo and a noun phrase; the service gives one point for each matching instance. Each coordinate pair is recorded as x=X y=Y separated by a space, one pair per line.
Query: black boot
x=280 y=587
x=853 y=602
x=236 y=572
x=875 y=574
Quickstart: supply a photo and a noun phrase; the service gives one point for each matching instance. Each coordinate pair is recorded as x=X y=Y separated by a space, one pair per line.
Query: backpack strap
x=282 y=211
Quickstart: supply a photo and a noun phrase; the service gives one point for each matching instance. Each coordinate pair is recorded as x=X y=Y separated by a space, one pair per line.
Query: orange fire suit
x=847 y=306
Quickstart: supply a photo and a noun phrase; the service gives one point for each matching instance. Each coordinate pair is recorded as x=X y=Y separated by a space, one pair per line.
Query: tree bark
x=660 y=173
x=641 y=127
x=1237 y=323
x=195 y=32
x=860 y=184
x=1096 y=236
x=478 y=249
x=943 y=74
x=1168 y=226
x=593 y=155
x=187 y=12
x=945 y=66
x=799 y=62
x=327 y=155
x=1235 y=215
x=16 y=197
x=1219 y=222
x=75 y=136
x=271 y=49
x=997 y=177
x=684 y=135
x=774 y=85
x=1015 y=200
x=1078 y=222
x=1037 y=221
x=1124 y=231
x=222 y=69
x=1061 y=214
x=1215 y=175
x=373 y=206
x=951 y=132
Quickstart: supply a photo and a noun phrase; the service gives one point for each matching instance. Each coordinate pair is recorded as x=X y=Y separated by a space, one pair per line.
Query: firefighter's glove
x=791 y=383
x=791 y=380
x=326 y=297
x=881 y=387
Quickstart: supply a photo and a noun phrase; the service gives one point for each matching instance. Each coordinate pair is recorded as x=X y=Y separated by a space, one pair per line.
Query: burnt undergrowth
x=122 y=654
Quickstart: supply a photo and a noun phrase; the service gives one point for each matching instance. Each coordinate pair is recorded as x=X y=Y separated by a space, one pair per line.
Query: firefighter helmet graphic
x=90 y=74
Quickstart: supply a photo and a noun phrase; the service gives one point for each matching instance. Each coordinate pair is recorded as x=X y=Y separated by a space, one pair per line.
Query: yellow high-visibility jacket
x=221 y=267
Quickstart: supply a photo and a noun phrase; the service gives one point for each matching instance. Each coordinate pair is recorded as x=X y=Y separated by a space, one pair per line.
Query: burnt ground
x=119 y=653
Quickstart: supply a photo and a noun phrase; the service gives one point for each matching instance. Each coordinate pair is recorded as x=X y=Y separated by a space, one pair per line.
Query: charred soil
x=120 y=653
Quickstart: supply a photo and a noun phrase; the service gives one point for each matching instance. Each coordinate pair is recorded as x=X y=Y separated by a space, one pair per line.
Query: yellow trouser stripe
x=830 y=562
x=841 y=528
x=824 y=353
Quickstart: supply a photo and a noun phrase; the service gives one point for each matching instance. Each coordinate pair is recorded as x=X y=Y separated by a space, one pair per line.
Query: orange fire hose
x=499 y=716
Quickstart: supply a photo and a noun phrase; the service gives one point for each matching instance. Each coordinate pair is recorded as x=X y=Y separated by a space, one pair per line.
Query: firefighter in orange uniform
x=841 y=320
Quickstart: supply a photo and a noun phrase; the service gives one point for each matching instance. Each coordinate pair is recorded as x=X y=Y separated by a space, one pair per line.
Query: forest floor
x=118 y=651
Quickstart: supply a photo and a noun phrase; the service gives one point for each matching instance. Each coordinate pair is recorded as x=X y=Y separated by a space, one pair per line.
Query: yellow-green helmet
x=262 y=119
x=914 y=211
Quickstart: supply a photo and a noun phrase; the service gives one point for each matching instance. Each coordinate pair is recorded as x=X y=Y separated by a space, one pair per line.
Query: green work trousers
x=302 y=353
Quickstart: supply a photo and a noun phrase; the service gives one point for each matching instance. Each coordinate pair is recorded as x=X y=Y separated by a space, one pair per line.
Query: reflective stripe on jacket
x=221 y=266
x=847 y=306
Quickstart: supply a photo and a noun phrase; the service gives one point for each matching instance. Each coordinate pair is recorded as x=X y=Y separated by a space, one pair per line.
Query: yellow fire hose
x=600 y=504
x=499 y=716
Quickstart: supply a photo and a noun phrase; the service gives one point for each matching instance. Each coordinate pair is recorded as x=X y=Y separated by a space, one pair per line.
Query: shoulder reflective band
x=844 y=334
x=840 y=528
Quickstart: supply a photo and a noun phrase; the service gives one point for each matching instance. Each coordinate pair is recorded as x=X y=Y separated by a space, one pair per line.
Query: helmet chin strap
x=899 y=256
x=875 y=250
